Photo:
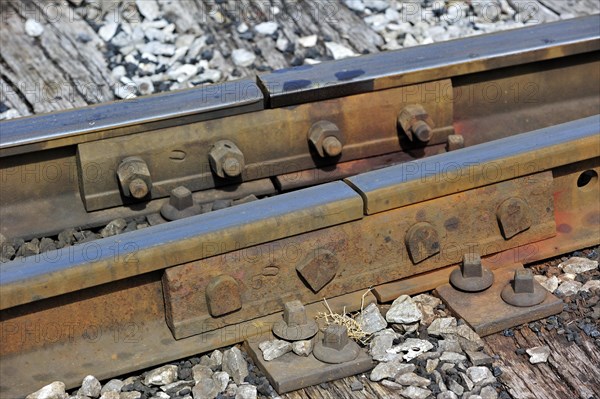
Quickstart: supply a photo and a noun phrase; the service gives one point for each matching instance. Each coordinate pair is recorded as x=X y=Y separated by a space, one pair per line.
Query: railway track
x=379 y=171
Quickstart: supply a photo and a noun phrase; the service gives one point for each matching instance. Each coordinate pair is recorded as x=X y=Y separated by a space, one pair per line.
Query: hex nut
x=416 y=123
x=226 y=159
x=134 y=177
x=326 y=138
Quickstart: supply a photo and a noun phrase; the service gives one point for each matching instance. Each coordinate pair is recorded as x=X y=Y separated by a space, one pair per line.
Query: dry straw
x=348 y=320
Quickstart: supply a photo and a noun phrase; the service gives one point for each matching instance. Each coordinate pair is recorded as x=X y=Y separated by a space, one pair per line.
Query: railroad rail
x=378 y=171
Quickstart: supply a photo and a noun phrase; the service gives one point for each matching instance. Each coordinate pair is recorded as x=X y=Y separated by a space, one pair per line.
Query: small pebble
x=33 y=28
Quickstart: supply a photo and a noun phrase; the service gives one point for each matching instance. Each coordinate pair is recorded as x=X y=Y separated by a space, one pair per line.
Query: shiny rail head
x=170 y=108
x=479 y=165
x=169 y=244
x=436 y=61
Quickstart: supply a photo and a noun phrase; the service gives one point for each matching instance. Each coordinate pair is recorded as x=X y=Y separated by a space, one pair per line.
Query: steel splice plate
x=487 y=313
x=291 y=372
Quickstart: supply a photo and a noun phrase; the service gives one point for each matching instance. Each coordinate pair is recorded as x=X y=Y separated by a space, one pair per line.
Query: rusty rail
x=65 y=165
x=399 y=228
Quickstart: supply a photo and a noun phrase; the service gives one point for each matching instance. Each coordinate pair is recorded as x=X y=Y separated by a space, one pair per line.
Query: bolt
x=181 y=204
x=223 y=295
x=295 y=325
x=455 y=142
x=471 y=276
x=138 y=188
x=523 y=290
x=134 y=177
x=523 y=281
x=181 y=198
x=336 y=347
x=226 y=159
x=294 y=314
x=415 y=121
x=422 y=130
x=335 y=337
x=514 y=216
x=471 y=265
x=332 y=146
x=422 y=241
x=232 y=167
x=326 y=138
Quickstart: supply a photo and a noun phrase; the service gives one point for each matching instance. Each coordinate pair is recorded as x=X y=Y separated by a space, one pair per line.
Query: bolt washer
x=471 y=284
x=480 y=278
x=523 y=295
x=341 y=351
x=294 y=331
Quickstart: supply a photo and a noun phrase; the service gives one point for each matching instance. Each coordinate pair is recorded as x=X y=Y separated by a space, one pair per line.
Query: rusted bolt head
x=471 y=276
x=134 y=177
x=416 y=122
x=523 y=281
x=181 y=205
x=138 y=188
x=335 y=337
x=422 y=130
x=514 y=216
x=326 y=138
x=223 y=295
x=332 y=146
x=226 y=159
x=422 y=241
x=232 y=167
x=471 y=265
x=455 y=142
x=181 y=198
x=523 y=290
x=336 y=347
x=318 y=268
x=295 y=325
x=294 y=314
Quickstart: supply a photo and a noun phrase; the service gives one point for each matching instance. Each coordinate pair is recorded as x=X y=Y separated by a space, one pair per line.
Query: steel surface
x=100 y=121
x=142 y=251
x=577 y=216
x=311 y=83
x=480 y=165
x=487 y=313
x=363 y=253
x=270 y=143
